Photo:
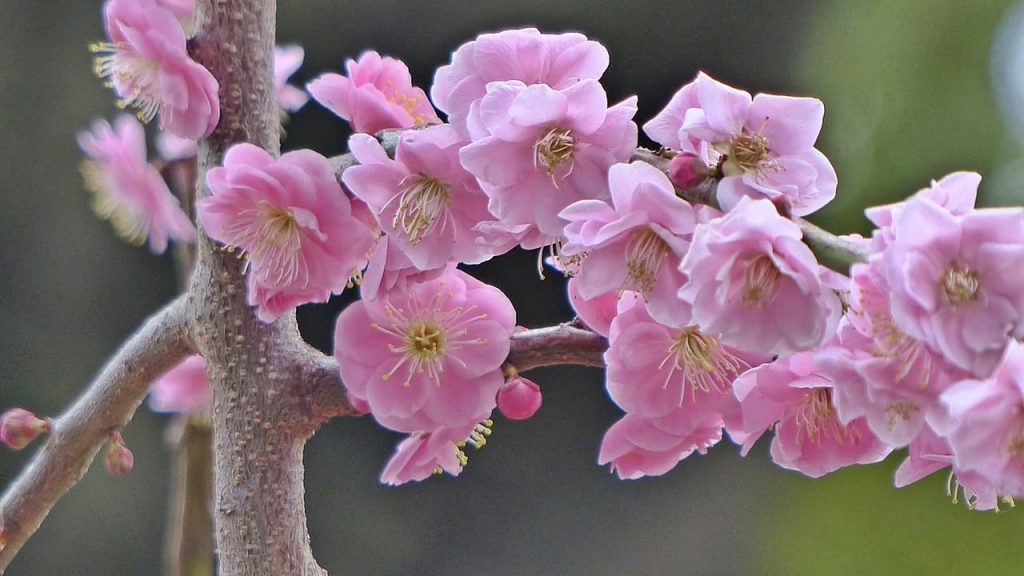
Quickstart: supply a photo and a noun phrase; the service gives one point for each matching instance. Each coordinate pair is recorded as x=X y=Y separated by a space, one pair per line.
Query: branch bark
x=77 y=435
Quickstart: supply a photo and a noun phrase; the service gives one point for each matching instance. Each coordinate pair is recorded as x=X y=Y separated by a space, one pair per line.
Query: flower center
x=644 y=254
x=817 y=417
x=132 y=76
x=273 y=236
x=705 y=365
x=760 y=282
x=424 y=202
x=425 y=341
x=129 y=223
x=554 y=149
x=960 y=285
x=749 y=151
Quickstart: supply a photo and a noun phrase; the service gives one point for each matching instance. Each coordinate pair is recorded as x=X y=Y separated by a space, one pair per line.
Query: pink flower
x=19 y=427
x=763 y=145
x=634 y=244
x=429 y=357
x=389 y=269
x=956 y=281
x=797 y=400
x=424 y=454
x=598 y=312
x=423 y=199
x=376 y=94
x=754 y=283
x=519 y=398
x=986 y=429
x=955 y=192
x=287 y=60
x=183 y=388
x=637 y=446
x=147 y=65
x=558 y=60
x=293 y=221
x=129 y=191
x=171 y=147
x=539 y=150
x=654 y=369
x=185 y=12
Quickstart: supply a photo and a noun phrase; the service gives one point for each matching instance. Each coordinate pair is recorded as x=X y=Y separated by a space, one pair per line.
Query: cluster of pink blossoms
x=720 y=320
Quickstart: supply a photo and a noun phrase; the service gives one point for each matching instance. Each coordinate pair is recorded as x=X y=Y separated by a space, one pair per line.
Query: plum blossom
x=424 y=454
x=986 y=426
x=636 y=243
x=955 y=281
x=148 y=67
x=183 y=388
x=390 y=269
x=754 y=283
x=377 y=93
x=598 y=312
x=287 y=60
x=538 y=149
x=423 y=199
x=519 y=398
x=955 y=192
x=129 y=191
x=792 y=396
x=526 y=55
x=638 y=446
x=293 y=222
x=763 y=146
x=428 y=357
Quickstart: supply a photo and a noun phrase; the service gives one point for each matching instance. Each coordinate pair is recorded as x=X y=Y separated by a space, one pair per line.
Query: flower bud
x=118 y=459
x=687 y=171
x=518 y=398
x=18 y=427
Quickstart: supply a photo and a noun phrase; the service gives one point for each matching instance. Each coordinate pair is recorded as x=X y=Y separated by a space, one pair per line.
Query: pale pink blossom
x=986 y=426
x=795 y=399
x=955 y=192
x=148 y=67
x=539 y=150
x=287 y=61
x=753 y=282
x=428 y=357
x=763 y=146
x=129 y=191
x=526 y=55
x=183 y=388
x=377 y=93
x=636 y=243
x=654 y=369
x=425 y=454
x=424 y=200
x=519 y=398
x=637 y=446
x=955 y=281
x=293 y=222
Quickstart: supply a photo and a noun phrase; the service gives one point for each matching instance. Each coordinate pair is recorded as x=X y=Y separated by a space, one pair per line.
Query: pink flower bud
x=3 y=540
x=519 y=398
x=118 y=459
x=687 y=171
x=18 y=427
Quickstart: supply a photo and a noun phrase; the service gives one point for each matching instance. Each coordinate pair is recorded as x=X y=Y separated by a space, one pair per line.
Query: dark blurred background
x=912 y=89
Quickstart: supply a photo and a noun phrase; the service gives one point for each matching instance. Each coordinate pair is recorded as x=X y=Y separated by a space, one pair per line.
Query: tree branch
x=106 y=406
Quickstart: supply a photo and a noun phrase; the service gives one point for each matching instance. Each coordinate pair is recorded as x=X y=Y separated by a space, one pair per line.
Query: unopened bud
x=19 y=427
x=518 y=398
x=118 y=459
x=687 y=171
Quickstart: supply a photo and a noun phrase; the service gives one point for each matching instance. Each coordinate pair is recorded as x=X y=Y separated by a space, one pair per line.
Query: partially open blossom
x=636 y=243
x=955 y=192
x=753 y=282
x=423 y=199
x=519 y=398
x=19 y=427
x=539 y=150
x=183 y=388
x=687 y=170
x=428 y=357
x=292 y=220
x=117 y=458
x=390 y=269
x=795 y=399
x=287 y=60
x=377 y=93
x=764 y=146
x=637 y=446
x=147 y=65
x=956 y=281
x=129 y=191
x=425 y=454
x=526 y=55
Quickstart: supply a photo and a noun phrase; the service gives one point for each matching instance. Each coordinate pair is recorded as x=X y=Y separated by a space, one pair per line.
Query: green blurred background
x=911 y=90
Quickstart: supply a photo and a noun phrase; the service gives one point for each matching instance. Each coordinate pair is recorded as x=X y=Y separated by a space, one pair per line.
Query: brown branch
x=106 y=406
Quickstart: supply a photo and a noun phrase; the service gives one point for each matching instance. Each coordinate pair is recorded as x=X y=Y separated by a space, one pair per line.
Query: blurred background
x=913 y=89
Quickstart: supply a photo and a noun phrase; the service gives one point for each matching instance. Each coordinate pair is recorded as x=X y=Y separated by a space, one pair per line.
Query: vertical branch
x=188 y=550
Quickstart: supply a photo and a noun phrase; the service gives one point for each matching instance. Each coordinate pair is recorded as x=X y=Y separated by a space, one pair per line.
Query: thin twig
x=106 y=406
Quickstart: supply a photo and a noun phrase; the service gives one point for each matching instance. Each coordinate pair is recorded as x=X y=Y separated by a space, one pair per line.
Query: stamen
x=274 y=236
x=705 y=366
x=554 y=149
x=423 y=203
x=135 y=78
x=817 y=418
x=960 y=285
x=760 y=282
x=644 y=255
x=129 y=224
x=748 y=152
